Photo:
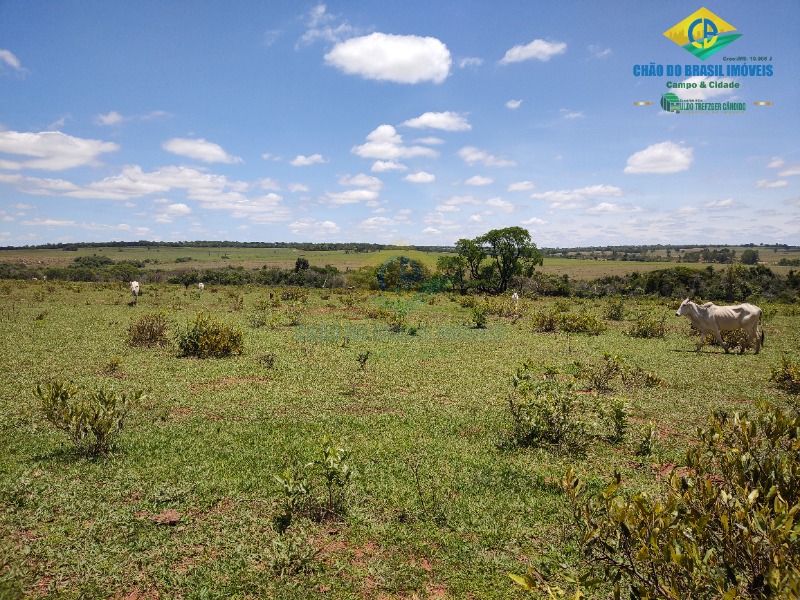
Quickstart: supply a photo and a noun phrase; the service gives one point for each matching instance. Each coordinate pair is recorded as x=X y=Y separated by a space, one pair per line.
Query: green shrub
x=92 y=423
x=601 y=375
x=647 y=444
x=616 y=416
x=787 y=376
x=648 y=325
x=615 y=309
x=724 y=527
x=557 y=318
x=478 y=314
x=148 y=330
x=208 y=338
x=546 y=413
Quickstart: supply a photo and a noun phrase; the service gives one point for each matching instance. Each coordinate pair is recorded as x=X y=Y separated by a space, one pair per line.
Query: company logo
x=670 y=102
x=702 y=33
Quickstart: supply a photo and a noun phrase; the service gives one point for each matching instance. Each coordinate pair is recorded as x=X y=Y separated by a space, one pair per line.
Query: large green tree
x=511 y=252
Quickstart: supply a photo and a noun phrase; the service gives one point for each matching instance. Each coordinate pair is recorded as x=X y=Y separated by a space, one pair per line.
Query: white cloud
x=168 y=214
x=431 y=230
x=535 y=221
x=453 y=203
x=599 y=51
x=361 y=180
x=478 y=180
x=513 y=104
x=723 y=204
x=472 y=155
x=381 y=166
x=199 y=149
x=765 y=183
x=665 y=157
x=537 y=49
x=304 y=161
x=521 y=186
x=578 y=197
x=351 y=196
x=790 y=172
x=375 y=224
x=568 y=115
x=51 y=150
x=447 y=121
x=314 y=228
x=326 y=27
x=611 y=208
x=420 y=177
x=7 y=57
x=776 y=163
x=298 y=187
x=397 y=58
x=470 y=62
x=386 y=144
x=112 y=118
x=500 y=204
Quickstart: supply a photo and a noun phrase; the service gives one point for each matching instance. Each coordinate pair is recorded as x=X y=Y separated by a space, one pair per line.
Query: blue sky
x=413 y=122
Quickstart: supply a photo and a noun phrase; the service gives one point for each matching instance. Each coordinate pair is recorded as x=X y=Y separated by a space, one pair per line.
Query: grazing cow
x=135 y=291
x=712 y=318
x=201 y=285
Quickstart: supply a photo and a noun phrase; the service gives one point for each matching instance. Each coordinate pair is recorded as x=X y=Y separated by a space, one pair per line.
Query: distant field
x=167 y=258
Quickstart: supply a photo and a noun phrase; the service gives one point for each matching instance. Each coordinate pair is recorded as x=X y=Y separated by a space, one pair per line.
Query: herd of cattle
x=706 y=318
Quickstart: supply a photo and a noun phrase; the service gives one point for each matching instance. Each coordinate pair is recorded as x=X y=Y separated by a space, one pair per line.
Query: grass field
x=437 y=508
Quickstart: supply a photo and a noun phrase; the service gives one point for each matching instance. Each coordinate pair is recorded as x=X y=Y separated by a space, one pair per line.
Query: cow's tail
x=762 y=335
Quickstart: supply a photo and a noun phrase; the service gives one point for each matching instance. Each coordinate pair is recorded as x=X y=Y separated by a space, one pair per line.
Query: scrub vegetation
x=368 y=443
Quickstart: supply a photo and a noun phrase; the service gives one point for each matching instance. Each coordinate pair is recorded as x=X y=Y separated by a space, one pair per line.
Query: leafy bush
x=602 y=374
x=616 y=415
x=615 y=309
x=648 y=325
x=787 y=376
x=92 y=423
x=208 y=338
x=558 y=318
x=148 y=330
x=478 y=315
x=725 y=526
x=545 y=413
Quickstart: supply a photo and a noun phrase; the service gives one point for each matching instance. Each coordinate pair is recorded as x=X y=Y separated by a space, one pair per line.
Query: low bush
x=208 y=338
x=615 y=309
x=545 y=413
x=148 y=330
x=724 y=527
x=558 y=318
x=787 y=376
x=648 y=325
x=92 y=422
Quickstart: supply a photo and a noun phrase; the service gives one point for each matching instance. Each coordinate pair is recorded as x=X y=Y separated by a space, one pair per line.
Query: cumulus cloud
x=500 y=204
x=420 y=177
x=172 y=211
x=396 y=58
x=199 y=149
x=447 y=121
x=513 y=104
x=577 y=197
x=112 y=118
x=50 y=150
x=611 y=208
x=536 y=50
x=375 y=224
x=351 y=196
x=662 y=158
x=472 y=155
x=381 y=166
x=304 y=161
x=385 y=143
x=534 y=221
x=478 y=180
x=361 y=180
x=314 y=228
x=521 y=186
x=453 y=203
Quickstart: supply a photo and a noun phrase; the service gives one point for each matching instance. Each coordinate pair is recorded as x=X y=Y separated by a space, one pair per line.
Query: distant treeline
x=729 y=283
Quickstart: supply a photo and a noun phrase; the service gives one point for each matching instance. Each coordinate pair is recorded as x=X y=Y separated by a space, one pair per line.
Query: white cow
x=135 y=291
x=712 y=318
x=201 y=285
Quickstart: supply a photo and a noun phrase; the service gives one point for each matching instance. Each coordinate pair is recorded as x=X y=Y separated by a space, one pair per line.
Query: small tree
x=749 y=257
x=301 y=264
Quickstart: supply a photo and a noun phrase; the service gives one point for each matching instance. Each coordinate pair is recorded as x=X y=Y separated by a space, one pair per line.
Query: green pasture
x=438 y=508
